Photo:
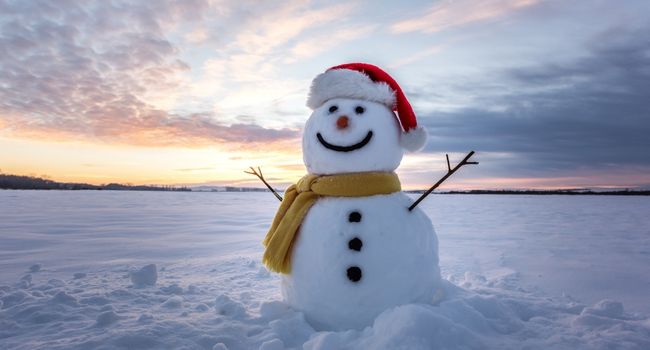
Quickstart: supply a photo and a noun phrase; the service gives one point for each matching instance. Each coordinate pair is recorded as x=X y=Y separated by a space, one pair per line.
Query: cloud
x=105 y=70
x=274 y=29
x=320 y=43
x=109 y=70
x=589 y=115
x=261 y=43
x=448 y=14
x=417 y=56
x=154 y=127
x=191 y=170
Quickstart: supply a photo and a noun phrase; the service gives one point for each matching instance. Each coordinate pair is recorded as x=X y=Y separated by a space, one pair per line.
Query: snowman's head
x=347 y=135
x=353 y=127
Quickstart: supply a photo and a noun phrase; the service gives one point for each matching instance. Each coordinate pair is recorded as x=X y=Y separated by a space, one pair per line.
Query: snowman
x=344 y=239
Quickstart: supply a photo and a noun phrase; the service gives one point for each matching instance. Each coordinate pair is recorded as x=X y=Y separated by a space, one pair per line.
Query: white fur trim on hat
x=347 y=83
x=415 y=139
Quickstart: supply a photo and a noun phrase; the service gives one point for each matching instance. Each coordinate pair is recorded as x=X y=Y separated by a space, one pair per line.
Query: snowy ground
x=523 y=273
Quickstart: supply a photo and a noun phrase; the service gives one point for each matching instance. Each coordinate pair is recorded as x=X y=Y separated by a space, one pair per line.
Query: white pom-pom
x=415 y=139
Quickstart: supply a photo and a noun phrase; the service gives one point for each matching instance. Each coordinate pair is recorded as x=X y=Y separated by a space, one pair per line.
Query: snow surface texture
x=396 y=253
x=550 y=272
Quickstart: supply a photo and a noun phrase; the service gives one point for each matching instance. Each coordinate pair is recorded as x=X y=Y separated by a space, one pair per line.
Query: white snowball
x=382 y=153
x=146 y=276
x=273 y=344
x=64 y=298
x=225 y=306
x=106 y=319
x=606 y=308
x=174 y=302
x=398 y=260
x=220 y=346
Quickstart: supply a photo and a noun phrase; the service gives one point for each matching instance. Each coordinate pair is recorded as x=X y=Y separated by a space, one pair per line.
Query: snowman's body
x=356 y=257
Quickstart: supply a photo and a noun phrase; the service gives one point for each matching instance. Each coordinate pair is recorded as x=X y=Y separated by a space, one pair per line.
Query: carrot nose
x=342 y=122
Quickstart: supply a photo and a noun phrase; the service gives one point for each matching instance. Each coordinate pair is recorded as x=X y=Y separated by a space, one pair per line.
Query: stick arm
x=260 y=176
x=450 y=171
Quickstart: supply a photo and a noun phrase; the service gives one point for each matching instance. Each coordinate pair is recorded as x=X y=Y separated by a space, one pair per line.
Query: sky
x=549 y=93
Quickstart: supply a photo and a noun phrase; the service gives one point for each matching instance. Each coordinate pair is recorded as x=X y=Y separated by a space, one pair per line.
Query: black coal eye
x=333 y=109
x=359 y=110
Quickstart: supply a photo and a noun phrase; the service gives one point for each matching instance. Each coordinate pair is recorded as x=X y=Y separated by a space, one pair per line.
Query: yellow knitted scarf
x=300 y=197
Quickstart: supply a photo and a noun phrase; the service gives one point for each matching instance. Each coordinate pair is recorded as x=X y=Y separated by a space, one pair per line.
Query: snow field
x=534 y=273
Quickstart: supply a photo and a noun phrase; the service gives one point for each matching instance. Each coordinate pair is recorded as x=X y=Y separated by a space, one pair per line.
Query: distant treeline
x=245 y=189
x=625 y=192
x=16 y=182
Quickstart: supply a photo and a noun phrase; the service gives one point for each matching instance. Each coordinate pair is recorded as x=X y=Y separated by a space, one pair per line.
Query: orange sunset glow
x=193 y=93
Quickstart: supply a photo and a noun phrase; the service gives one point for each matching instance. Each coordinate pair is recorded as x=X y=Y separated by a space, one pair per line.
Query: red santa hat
x=365 y=81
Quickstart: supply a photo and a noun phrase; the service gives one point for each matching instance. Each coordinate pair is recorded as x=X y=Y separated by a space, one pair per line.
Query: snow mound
x=223 y=305
x=606 y=308
x=146 y=276
x=174 y=302
x=106 y=318
x=103 y=311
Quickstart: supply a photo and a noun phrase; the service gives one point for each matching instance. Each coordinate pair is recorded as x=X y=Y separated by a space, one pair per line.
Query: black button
x=355 y=216
x=355 y=244
x=354 y=273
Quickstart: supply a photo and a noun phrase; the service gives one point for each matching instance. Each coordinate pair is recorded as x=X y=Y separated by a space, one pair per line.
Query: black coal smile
x=345 y=148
